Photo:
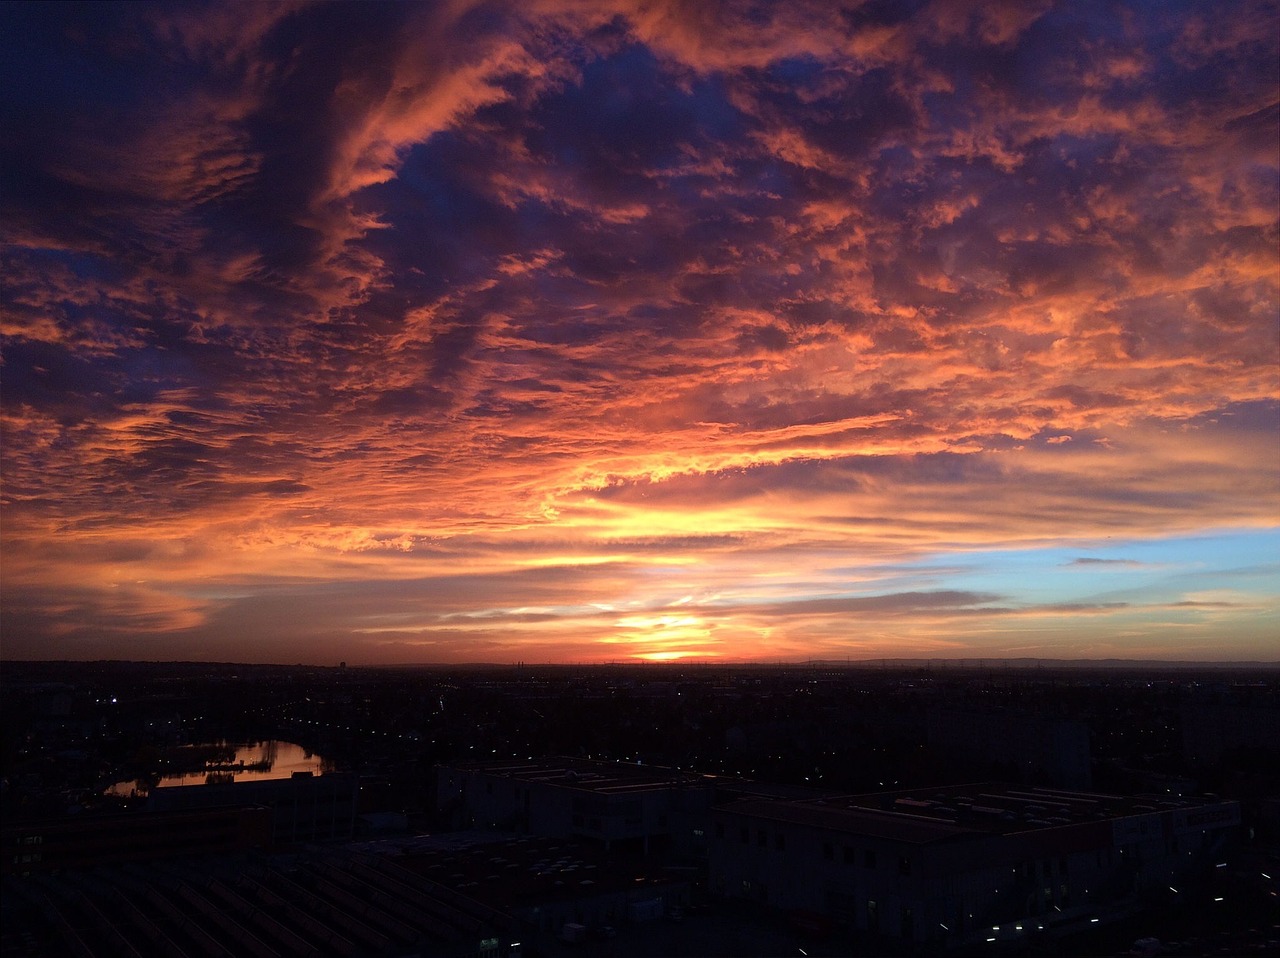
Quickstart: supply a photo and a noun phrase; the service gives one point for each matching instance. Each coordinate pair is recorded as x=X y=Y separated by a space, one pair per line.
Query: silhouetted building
x=977 y=862
x=616 y=804
x=304 y=808
x=606 y=802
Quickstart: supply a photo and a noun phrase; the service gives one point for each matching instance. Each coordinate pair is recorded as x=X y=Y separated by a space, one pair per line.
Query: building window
x=848 y=855
x=761 y=838
x=904 y=865
x=873 y=916
x=780 y=842
x=827 y=851
x=719 y=829
x=869 y=859
x=744 y=834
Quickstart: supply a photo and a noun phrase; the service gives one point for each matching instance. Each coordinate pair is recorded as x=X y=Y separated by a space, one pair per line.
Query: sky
x=640 y=330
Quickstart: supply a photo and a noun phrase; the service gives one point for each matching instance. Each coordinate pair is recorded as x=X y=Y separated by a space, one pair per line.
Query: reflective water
x=252 y=761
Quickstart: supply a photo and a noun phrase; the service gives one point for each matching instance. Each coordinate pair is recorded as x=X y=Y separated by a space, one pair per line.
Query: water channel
x=252 y=761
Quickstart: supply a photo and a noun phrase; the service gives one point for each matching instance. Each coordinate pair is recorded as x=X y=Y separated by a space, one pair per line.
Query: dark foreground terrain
x=377 y=739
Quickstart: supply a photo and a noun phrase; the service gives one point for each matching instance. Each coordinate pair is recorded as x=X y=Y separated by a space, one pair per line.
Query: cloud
x=1115 y=563
x=728 y=294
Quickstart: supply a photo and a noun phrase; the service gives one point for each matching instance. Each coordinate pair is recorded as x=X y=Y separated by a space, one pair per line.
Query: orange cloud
x=651 y=329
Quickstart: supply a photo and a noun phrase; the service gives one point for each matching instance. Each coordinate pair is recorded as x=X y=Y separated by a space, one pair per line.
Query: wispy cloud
x=1111 y=563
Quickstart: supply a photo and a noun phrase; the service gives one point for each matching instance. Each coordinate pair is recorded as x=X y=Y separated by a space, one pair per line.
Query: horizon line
x=978 y=662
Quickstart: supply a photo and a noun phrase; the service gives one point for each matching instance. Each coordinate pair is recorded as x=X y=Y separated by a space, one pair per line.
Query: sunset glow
x=571 y=332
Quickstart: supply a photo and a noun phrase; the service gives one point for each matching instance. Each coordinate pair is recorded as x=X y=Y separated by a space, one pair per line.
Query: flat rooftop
x=527 y=871
x=621 y=777
x=1002 y=807
x=585 y=774
x=942 y=813
x=829 y=814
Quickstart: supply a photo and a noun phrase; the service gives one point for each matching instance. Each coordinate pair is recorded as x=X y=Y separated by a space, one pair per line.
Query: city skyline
x=564 y=332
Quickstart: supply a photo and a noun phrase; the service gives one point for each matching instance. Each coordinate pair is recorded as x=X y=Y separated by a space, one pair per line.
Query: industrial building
x=960 y=864
x=630 y=807
x=612 y=803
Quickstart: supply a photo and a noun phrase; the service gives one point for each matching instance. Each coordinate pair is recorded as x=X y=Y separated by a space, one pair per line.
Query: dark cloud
x=901 y=603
